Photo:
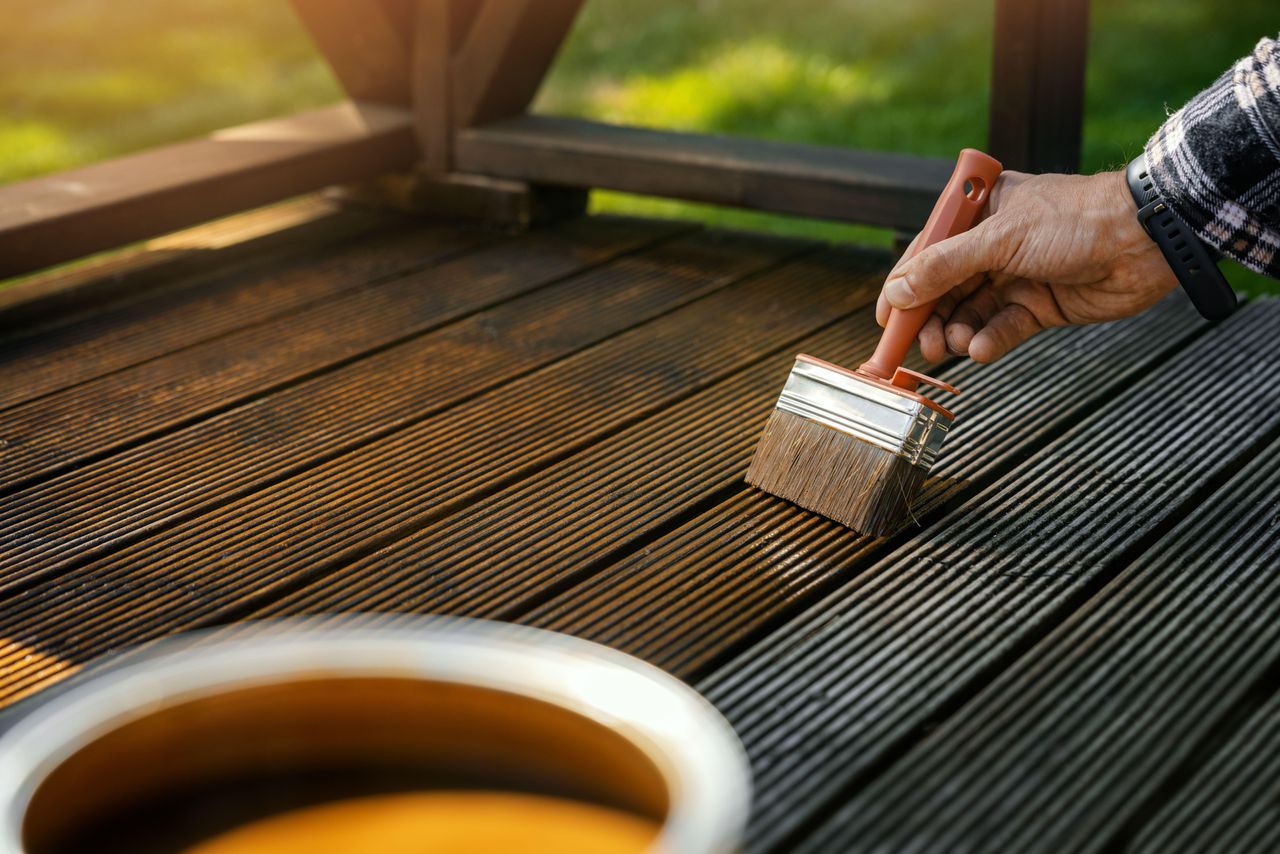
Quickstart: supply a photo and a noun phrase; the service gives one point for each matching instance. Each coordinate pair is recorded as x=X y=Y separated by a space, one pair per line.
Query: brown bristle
x=844 y=478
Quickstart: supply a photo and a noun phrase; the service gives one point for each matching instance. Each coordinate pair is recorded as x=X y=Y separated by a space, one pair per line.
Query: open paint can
x=417 y=735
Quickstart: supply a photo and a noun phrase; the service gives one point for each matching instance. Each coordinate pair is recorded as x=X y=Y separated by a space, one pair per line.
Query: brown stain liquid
x=440 y=821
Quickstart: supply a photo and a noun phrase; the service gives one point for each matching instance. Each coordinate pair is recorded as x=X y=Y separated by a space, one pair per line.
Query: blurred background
x=83 y=80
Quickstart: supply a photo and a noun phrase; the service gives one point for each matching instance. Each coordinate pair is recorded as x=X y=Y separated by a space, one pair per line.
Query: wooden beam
x=71 y=214
x=1037 y=84
x=508 y=48
x=439 y=29
x=892 y=190
x=364 y=43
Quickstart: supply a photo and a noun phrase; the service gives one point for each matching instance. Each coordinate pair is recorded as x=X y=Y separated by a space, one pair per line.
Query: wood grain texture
x=920 y=631
x=895 y=190
x=74 y=213
x=196 y=381
x=663 y=603
x=39 y=300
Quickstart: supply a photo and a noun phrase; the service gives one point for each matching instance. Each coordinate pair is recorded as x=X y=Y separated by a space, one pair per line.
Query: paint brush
x=856 y=446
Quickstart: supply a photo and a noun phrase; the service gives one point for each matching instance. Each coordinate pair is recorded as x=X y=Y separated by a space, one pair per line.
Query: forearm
x=1216 y=161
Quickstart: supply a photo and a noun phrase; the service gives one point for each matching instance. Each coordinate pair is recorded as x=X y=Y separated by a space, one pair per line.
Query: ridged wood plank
x=68 y=519
x=503 y=553
x=134 y=403
x=35 y=302
x=1229 y=804
x=205 y=305
x=243 y=552
x=829 y=698
x=687 y=599
x=1072 y=747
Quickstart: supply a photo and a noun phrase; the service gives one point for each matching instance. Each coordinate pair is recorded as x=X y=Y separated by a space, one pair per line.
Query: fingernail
x=898 y=293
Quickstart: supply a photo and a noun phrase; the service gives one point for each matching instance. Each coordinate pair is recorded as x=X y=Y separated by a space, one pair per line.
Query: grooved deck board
x=170 y=390
x=552 y=427
x=258 y=545
x=1067 y=748
x=686 y=599
x=860 y=675
x=70 y=518
x=206 y=305
x=33 y=304
x=1231 y=803
x=494 y=556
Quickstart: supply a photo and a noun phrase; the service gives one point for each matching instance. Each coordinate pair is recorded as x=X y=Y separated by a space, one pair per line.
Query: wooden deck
x=1077 y=646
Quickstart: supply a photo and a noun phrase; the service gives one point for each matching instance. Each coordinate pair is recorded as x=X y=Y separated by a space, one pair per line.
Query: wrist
x=1189 y=259
x=1122 y=214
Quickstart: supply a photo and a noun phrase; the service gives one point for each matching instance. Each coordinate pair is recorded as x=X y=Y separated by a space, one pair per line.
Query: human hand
x=1051 y=250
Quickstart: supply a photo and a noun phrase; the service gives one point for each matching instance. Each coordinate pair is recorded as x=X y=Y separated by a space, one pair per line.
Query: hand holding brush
x=856 y=445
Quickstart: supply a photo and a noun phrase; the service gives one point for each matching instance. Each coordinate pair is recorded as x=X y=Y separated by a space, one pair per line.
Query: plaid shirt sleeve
x=1216 y=161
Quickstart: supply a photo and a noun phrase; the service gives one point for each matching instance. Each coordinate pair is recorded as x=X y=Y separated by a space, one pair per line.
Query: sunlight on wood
x=37 y=669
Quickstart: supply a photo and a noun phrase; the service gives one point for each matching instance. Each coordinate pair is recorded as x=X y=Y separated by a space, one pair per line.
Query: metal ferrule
x=895 y=422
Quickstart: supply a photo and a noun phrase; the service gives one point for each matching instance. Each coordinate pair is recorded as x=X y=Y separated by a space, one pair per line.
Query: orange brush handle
x=955 y=211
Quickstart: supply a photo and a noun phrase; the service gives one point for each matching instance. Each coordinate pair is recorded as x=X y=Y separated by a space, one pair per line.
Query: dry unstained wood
x=902 y=644
x=1114 y=705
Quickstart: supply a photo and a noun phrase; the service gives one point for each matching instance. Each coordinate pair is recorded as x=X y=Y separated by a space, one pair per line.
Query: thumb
x=945 y=265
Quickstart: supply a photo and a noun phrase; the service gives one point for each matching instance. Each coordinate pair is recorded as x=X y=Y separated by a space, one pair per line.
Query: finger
x=933 y=344
x=942 y=266
x=1006 y=329
x=970 y=315
x=882 y=305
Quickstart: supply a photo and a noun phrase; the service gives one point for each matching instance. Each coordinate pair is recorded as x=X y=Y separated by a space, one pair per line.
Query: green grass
x=81 y=80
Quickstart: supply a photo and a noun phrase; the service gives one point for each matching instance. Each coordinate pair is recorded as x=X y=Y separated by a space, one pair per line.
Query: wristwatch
x=1195 y=264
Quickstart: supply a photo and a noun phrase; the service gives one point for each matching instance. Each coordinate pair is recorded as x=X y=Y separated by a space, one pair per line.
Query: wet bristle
x=844 y=478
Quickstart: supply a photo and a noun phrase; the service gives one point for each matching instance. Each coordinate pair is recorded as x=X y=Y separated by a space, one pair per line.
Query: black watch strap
x=1191 y=261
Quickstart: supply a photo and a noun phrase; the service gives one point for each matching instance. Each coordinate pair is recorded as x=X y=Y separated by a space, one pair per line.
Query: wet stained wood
x=54 y=297
x=63 y=520
x=328 y=513
x=378 y=312
x=189 y=307
x=398 y=415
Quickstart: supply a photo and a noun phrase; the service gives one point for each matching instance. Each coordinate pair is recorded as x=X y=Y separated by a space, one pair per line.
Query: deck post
x=1037 y=84
x=465 y=62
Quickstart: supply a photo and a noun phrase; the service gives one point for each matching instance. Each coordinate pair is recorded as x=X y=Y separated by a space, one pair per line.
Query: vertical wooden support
x=504 y=56
x=456 y=63
x=1037 y=85
x=364 y=46
x=438 y=30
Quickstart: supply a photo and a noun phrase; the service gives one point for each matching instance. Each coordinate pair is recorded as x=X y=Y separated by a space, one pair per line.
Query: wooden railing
x=440 y=89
